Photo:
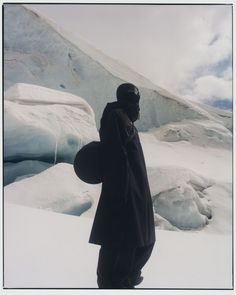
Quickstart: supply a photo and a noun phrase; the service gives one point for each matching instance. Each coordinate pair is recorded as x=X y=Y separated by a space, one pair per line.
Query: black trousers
x=120 y=266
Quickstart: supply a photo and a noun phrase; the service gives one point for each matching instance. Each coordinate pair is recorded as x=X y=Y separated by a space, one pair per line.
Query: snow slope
x=51 y=250
x=48 y=126
x=56 y=189
x=38 y=52
x=202 y=133
x=183 y=198
x=23 y=169
x=45 y=126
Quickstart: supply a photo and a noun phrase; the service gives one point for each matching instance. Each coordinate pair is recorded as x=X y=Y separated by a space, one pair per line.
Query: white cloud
x=209 y=87
x=228 y=74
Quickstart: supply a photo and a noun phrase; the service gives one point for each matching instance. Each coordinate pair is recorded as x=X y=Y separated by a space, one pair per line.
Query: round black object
x=88 y=163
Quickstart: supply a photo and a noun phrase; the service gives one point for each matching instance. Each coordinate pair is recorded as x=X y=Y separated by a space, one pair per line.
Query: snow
x=57 y=87
x=15 y=171
x=214 y=163
x=188 y=178
x=56 y=189
x=51 y=250
x=182 y=207
x=38 y=52
x=29 y=94
x=44 y=125
x=202 y=133
x=182 y=197
x=190 y=183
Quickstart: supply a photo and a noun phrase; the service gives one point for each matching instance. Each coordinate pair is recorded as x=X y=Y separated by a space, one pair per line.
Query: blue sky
x=186 y=49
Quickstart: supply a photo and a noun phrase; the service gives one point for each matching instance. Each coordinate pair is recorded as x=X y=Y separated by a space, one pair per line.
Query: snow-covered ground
x=50 y=250
x=196 y=178
x=53 y=249
x=189 y=163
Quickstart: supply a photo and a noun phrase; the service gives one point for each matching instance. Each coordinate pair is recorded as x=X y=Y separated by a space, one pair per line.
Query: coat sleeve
x=116 y=159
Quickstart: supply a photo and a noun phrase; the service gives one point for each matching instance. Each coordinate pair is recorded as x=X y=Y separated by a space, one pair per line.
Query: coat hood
x=132 y=110
x=111 y=106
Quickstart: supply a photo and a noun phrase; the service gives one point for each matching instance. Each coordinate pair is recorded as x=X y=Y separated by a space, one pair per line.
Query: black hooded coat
x=124 y=214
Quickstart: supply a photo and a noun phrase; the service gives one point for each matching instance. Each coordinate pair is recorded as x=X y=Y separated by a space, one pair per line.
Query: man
x=124 y=223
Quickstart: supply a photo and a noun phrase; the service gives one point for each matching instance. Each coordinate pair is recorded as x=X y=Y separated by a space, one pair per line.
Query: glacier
x=68 y=195
x=36 y=51
x=182 y=199
x=43 y=125
x=55 y=89
x=17 y=171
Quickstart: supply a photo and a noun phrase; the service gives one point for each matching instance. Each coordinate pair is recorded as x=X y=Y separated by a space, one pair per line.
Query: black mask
x=132 y=111
x=128 y=96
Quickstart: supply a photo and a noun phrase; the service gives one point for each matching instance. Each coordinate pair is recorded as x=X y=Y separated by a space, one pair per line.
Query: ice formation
x=56 y=89
x=23 y=169
x=188 y=152
x=56 y=189
x=42 y=54
x=198 y=132
x=43 y=125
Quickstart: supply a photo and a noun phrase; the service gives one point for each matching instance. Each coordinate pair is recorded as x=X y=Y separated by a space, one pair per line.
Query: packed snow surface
x=50 y=250
x=187 y=194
